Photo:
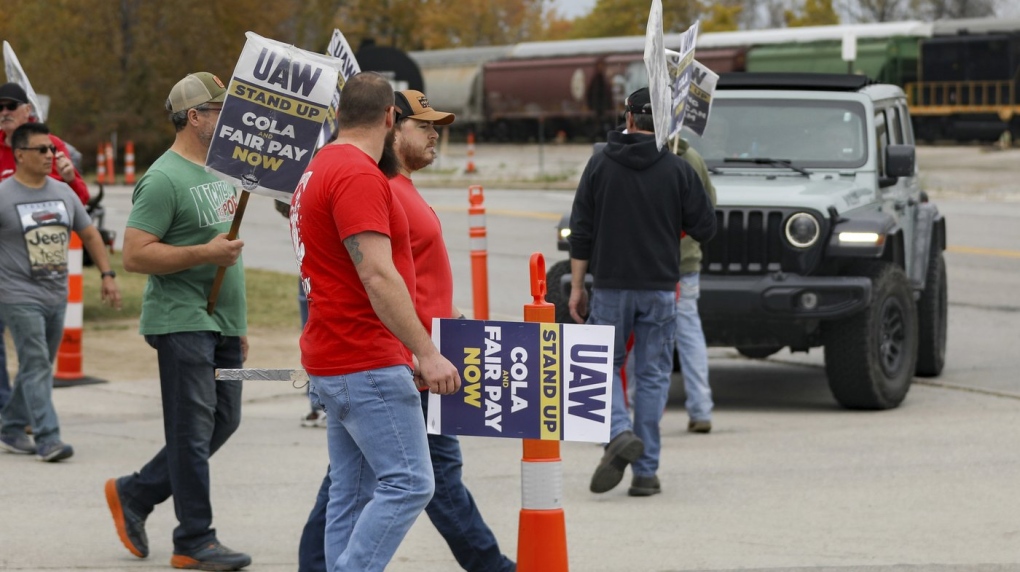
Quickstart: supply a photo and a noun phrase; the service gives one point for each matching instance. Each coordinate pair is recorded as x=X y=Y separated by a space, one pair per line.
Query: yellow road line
x=503 y=212
x=1001 y=253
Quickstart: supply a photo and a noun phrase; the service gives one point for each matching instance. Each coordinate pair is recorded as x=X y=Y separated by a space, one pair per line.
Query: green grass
x=272 y=298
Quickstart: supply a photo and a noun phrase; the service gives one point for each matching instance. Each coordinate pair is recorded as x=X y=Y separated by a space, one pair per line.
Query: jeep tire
x=755 y=352
x=554 y=294
x=932 y=318
x=870 y=357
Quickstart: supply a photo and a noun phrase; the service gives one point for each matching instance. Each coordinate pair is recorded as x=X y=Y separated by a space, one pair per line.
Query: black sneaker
x=130 y=525
x=212 y=556
x=642 y=486
x=54 y=451
x=623 y=450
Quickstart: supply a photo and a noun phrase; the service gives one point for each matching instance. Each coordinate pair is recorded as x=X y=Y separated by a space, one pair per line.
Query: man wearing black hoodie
x=632 y=204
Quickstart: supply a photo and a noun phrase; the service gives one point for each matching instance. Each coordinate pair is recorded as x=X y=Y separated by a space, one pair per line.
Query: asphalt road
x=786 y=481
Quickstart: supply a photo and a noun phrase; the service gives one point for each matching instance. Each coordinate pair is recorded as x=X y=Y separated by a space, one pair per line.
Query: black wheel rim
x=892 y=340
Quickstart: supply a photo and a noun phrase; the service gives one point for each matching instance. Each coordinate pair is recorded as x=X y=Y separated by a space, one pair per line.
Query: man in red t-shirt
x=15 y=111
x=362 y=331
x=454 y=512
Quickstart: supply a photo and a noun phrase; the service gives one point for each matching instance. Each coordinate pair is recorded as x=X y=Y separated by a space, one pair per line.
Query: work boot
x=623 y=450
x=644 y=486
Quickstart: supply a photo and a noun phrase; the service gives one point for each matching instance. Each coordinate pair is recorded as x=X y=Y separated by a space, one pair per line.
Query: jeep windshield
x=804 y=133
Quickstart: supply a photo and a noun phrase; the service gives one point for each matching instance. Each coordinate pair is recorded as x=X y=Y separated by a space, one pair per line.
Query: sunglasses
x=42 y=149
x=10 y=105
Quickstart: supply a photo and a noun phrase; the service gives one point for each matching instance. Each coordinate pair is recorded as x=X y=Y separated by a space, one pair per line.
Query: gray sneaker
x=623 y=450
x=17 y=443
x=54 y=451
x=212 y=556
x=642 y=486
x=129 y=523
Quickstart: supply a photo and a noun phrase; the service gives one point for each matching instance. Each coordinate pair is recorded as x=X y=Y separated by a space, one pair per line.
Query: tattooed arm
x=373 y=259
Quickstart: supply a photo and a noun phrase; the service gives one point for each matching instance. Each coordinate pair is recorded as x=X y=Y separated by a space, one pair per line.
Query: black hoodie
x=632 y=202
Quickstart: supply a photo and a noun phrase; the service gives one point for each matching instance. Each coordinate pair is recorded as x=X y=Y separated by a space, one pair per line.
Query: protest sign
x=17 y=75
x=680 y=72
x=525 y=380
x=699 y=98
x=271 y=119
x=658 y=73
x=340 y=49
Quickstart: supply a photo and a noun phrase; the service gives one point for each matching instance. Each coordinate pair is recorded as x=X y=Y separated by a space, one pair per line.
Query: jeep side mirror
x=899 y=160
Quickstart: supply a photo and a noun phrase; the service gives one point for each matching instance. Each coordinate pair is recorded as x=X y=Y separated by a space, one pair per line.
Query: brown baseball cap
x=195 y=89
x=413 y=104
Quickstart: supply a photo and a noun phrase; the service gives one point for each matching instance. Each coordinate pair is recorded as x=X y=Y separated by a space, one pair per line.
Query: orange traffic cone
x=542 y=528
x=101 y=164
x=129 y=163
x=470 y=153
x=111 y=173
x=69 y=355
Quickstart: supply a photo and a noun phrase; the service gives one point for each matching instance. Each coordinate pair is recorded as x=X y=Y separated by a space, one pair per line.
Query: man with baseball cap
x=632 y=203
x=177 y=234
x=15 y=111
x=452 y=509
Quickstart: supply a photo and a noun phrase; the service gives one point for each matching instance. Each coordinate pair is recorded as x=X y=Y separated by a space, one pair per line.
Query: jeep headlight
x=565 y=233
x=802 y=230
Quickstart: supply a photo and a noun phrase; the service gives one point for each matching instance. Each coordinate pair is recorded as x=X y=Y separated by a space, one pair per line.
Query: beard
x=415 y=158
x=389 y=164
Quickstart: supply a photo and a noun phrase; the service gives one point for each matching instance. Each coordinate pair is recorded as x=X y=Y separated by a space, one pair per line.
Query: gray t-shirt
x=35 y=232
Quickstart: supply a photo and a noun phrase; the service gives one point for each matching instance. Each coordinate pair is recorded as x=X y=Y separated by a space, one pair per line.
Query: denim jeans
x=452 y=511
x=36 y=331
x=302 y=301
x=690 y=346
x=651 y=316
x=199 y=414
x=5 y=380
x=380 y=474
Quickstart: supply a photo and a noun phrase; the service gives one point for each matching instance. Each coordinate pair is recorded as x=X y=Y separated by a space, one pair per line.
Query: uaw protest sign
x=699 y=98
x=340 y=49
x=525 y=380
x=276 y=103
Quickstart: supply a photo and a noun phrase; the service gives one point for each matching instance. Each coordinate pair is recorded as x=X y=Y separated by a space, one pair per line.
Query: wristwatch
x=109 y=273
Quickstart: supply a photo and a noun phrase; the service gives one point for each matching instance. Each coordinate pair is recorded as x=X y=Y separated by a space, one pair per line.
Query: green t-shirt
x=179 y=202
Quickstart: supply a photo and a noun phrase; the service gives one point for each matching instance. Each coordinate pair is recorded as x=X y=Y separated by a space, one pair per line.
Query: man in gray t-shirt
x=37 y=215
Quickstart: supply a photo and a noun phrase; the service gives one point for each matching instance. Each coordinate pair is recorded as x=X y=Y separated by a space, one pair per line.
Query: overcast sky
x=574 y=8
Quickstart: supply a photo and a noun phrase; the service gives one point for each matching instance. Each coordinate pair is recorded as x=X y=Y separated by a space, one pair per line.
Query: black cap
x=640 y=102
x=13 y=92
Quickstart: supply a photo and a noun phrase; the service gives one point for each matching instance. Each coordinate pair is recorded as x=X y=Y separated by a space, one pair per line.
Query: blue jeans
x=302 y=301
x=5 y=380
x=199 y=415
x=452 y=511
x=380 y=474
x=690 y=346
x=36 y=331
x=651 y=316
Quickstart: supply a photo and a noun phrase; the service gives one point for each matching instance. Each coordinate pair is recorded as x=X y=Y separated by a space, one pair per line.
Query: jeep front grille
x=750 y=241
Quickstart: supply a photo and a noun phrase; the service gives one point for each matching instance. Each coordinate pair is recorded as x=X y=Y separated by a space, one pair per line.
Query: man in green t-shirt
x=177 y=234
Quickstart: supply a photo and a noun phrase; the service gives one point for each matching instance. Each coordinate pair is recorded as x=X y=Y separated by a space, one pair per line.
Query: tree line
x=108 y=65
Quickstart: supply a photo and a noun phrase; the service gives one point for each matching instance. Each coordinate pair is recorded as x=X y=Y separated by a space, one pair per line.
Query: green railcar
x=888 y=60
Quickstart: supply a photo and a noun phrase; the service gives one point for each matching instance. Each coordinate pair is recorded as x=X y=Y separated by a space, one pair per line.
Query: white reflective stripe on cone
x=478 y=243
x=541 y=485
x=73 y=315
x=476 y=220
